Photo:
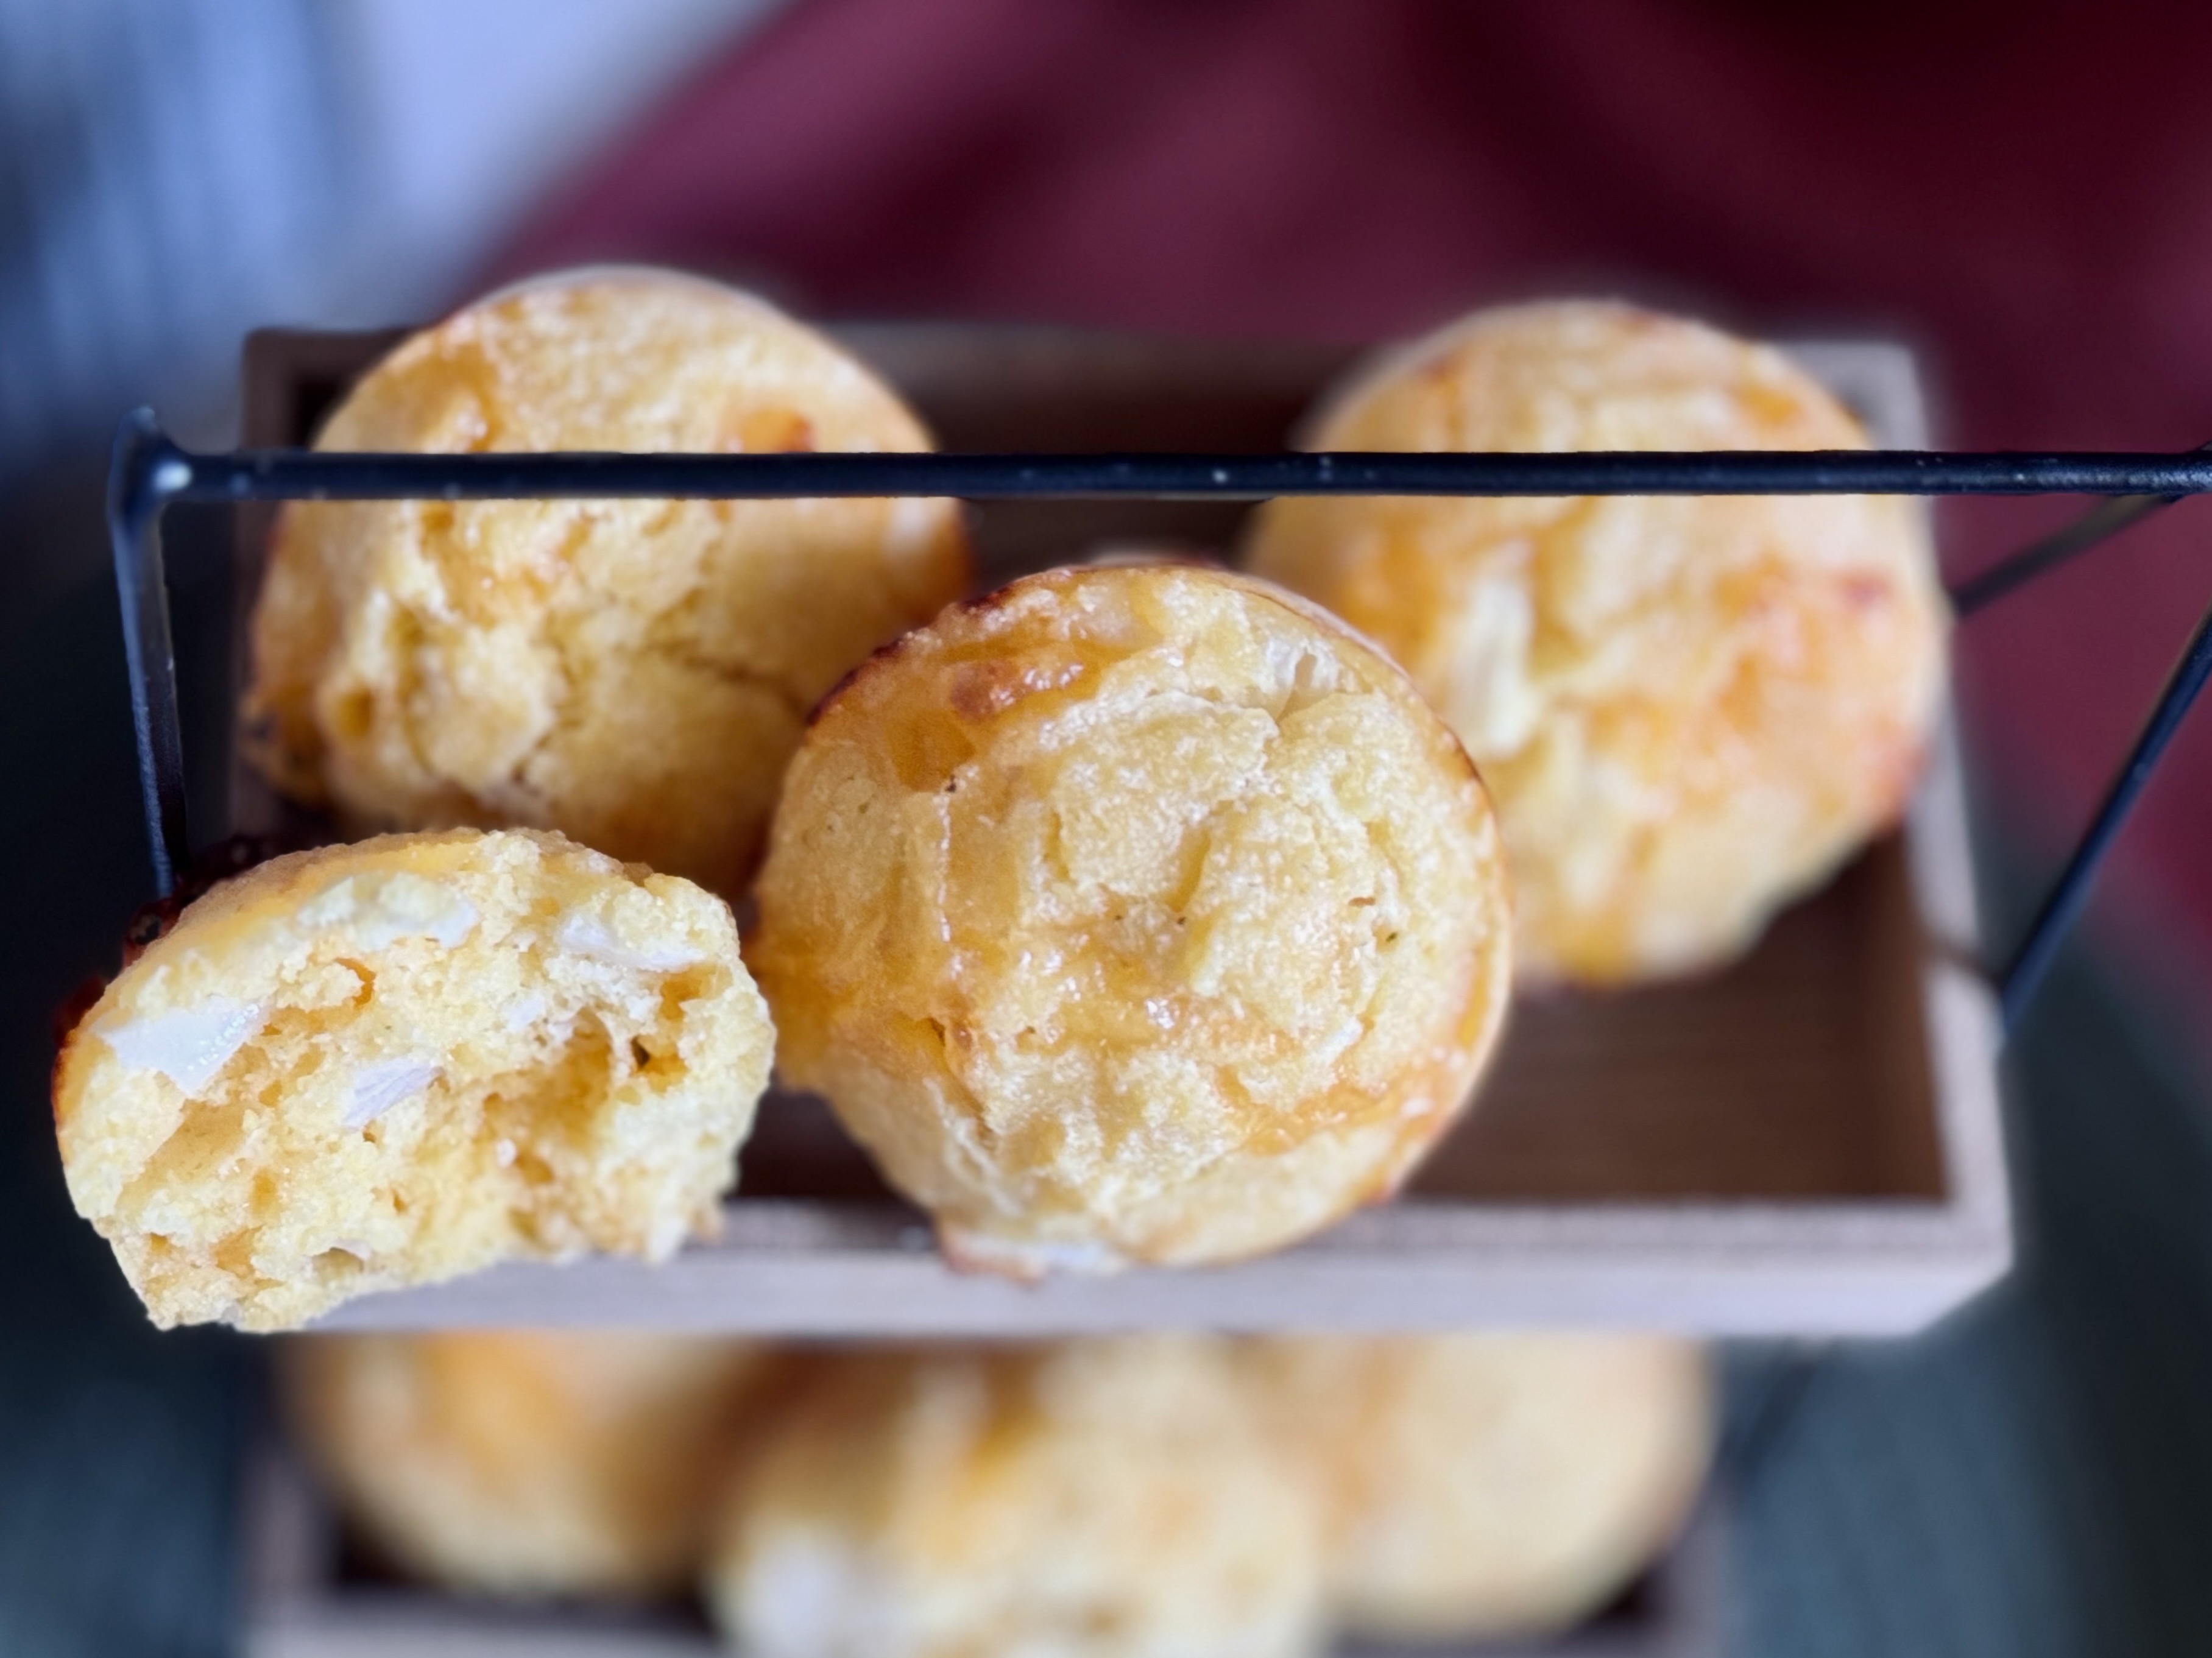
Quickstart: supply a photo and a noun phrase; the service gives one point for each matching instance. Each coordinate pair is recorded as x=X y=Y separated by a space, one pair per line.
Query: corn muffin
x=1490 y=1485
x=390 y=1063
x=633 y=673
x=522 y=1463
x=1095 y=1499
x=1133 y=915
x=1688 y=709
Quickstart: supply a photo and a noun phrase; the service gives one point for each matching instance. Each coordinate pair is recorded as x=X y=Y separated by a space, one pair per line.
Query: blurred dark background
x=2015 y=190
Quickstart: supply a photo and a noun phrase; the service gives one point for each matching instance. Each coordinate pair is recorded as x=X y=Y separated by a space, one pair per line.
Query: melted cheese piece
x=189 y=1045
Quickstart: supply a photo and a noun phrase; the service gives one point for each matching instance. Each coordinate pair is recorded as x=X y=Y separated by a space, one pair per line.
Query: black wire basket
x=149 y=472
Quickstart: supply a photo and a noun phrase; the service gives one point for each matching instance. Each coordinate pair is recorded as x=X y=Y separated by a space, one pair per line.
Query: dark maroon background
x=2024 y=191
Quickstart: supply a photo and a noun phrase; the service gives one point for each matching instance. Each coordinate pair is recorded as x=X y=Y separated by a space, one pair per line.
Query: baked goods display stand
x=1805 y=1145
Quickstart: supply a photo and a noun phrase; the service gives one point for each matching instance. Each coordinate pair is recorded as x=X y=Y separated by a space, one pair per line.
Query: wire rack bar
x=135 y=503
x=2106 y=519
x=2032 y=960
x=292 y=474
x=149 y=472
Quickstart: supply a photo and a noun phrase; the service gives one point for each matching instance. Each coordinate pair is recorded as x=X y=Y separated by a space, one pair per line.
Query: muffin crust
x=1134 y=915
x=1688 y=709
x=634 y=673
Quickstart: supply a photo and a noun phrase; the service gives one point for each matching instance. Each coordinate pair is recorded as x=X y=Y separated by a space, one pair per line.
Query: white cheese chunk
x=187 y=1045
x=382 y=1084
x=589 y=937
x=380 y=910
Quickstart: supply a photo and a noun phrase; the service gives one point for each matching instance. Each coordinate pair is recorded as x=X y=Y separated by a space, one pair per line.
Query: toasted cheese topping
x=1688 y=709
x=1134 y=914
x=634 y=673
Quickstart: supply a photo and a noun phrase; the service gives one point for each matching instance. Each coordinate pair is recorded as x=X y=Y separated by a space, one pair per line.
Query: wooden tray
x=304 y=1600
x=1807 y=1143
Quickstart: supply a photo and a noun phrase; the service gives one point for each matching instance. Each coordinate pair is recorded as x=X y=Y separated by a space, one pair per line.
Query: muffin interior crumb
x=428 y=1073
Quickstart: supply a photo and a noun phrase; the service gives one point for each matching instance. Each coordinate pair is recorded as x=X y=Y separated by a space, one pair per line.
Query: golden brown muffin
x=1094 y=1499
x=1688 y=710
x=1134 y=915
x=634 y=673
x=1490 y=1485
x=524 y=1463
x=386 y=1064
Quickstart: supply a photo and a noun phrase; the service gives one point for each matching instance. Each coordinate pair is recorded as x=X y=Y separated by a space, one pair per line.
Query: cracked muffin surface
x=1689 y=709
x=1134 y=915
x=633 y=673
x=393 y=1062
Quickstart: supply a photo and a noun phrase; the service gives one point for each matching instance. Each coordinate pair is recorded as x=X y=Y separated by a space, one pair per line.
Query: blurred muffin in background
x=1134 y=914
x=1096 y=1498
x=1489 y=1485
x=634 y=673
x=1688 y=709
x=524 y=1463
x=1140 y=554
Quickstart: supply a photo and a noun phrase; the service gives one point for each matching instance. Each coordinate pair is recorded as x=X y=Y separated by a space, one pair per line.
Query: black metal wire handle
x=149 y=472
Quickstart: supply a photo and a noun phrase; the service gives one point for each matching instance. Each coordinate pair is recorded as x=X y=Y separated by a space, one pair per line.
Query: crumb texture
x=1134 y=914
x=392 y=1062
x=524 y=1463
x=1100 y=1497
x=634 y=673
x=1688 y=710
x=1489 y=1485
